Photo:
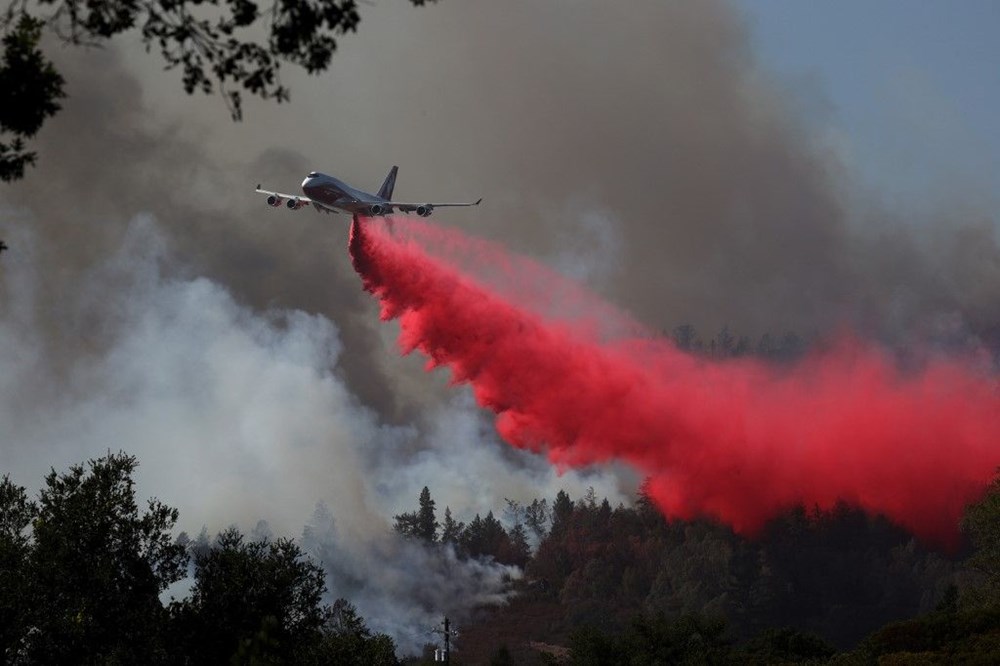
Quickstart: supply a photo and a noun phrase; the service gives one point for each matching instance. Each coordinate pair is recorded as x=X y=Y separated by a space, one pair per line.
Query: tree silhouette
x=451 y=529
x=16 y=513
x=421 y=523
x=427 y=524
x=982 y=523
x=486 y=537
x=216 y=44
x=347 y=640
x=97 y=567
x=252 y=601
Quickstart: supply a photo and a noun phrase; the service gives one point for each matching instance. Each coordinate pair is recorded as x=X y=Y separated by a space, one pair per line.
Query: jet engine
x=273 y=200
x=376 y=209
x=295 y=204
x=424 y=210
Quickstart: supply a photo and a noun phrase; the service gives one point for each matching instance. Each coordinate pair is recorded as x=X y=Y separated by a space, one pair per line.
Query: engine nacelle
x=273 y=200
x=377 y=209
x=295 y=204
x=425 y=210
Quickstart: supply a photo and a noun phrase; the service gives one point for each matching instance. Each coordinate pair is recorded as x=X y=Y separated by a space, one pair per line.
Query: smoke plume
x=643 y=150
x=737 y=440
x=238 y=416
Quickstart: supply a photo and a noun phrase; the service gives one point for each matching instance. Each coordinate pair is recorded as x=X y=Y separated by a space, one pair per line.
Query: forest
x=84 y=568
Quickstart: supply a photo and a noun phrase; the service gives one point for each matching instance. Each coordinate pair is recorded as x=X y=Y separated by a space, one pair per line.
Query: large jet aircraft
x=331 y=195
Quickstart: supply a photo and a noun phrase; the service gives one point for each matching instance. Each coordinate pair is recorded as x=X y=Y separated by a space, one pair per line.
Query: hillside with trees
x=84 y=569
x=603 y=582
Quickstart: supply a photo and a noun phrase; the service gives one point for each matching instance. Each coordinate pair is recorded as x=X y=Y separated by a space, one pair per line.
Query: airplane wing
x=293 y=201
x=401 y=205
x=410 y=207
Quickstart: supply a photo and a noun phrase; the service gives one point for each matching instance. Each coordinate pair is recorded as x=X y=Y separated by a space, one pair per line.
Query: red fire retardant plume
x=738 y=440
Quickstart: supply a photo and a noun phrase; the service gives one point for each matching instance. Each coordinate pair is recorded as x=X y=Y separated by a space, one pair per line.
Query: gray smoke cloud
x=729 y=198
x=239 y=416
x=404 y=605
x=640 y=149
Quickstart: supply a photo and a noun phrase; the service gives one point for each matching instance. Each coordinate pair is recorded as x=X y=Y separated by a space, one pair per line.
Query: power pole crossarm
x=445 y=655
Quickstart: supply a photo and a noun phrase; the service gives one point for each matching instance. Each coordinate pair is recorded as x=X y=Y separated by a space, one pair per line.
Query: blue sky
x=913 y=87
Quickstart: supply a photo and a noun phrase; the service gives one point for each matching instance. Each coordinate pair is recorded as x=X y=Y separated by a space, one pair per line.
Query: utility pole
x=444 y=656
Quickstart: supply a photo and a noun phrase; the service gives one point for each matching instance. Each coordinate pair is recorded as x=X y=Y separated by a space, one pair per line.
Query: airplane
x=331 y=195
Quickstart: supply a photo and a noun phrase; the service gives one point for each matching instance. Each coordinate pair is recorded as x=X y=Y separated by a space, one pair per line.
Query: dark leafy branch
x=232 y=47
x=30 y=88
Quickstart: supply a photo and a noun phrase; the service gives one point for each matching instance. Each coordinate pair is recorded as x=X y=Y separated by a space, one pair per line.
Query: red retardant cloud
x=739 y=440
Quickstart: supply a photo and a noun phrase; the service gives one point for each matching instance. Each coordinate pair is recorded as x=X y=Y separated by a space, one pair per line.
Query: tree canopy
x=422 y=523
x=93 y=568
x=84 y=566
x=982 y=524
x=259 y=598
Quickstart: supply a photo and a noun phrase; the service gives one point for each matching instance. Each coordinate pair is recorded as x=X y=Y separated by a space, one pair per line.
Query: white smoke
x=239 y=416
x=404 y=587
x=473 y=471
x=234 y=416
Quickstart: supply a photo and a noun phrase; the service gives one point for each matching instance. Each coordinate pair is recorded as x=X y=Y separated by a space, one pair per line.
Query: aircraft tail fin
x=385 y=192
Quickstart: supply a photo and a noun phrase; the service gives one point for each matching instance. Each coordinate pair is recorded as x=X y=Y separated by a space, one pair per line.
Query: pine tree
x=562 y=513
x=536 y=515
x=520 y=550
x=421 y=523
x=451 y=530
x=427 y=523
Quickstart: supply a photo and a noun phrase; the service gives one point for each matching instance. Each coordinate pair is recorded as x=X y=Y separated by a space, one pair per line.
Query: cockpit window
x=313 y=174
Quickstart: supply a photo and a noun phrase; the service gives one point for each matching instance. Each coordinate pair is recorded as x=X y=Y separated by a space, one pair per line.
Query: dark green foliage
x=97 y=567
x=406 y=524
x=82 y=570
x=30 y=88
x=422 y=523
x=259 y=598
x=690 y=638
x=451 y=530
x=486 y=537
x=982 y=524
x=970 y=636
x=838 y=573
x=592 y=647
x=519 y=549
x=16 y=513
x=654 y=639
x=536 y=517
x=348 y=641
x=427 y=524
x=562 y=511
x=219 y=49
x=481 y=538
x=780 y=646
x=842 y=573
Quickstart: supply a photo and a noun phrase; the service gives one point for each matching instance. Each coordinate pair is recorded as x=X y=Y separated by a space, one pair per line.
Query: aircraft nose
x=310 y=184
